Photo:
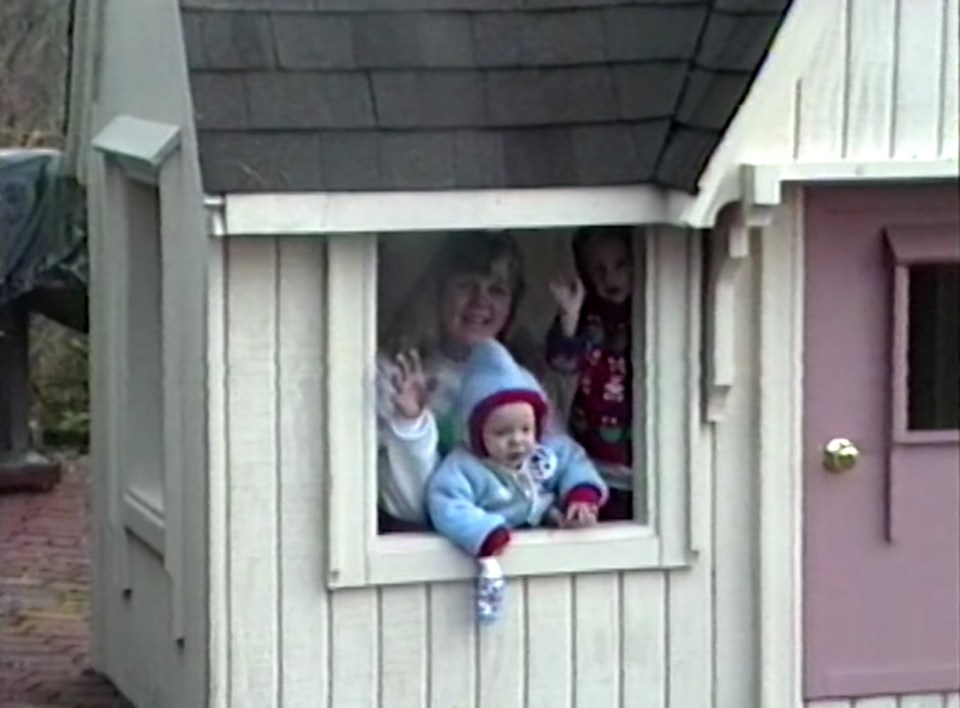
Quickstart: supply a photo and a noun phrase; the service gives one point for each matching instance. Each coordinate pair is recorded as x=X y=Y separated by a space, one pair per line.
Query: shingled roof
x=301 y=95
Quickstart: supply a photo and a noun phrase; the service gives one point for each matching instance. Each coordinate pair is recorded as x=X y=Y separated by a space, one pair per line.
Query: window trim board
x=357 y=556
x=911 y=245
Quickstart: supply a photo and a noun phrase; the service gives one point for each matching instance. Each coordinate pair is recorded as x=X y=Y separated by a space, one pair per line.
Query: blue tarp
x=43 y=241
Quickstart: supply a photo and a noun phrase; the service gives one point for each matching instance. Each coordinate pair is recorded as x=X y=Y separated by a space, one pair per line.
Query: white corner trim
x=779 y=476
x=140 y=146
x=765 y=181
x=311 y=213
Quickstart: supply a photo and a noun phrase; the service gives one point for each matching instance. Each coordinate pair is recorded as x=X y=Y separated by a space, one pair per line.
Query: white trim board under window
x=668 y=432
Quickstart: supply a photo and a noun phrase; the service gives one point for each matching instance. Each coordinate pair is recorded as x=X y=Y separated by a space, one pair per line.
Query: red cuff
x=494 y=543
x=584 y=494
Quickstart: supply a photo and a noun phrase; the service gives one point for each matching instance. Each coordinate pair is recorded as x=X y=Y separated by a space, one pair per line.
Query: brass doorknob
x=840 y=455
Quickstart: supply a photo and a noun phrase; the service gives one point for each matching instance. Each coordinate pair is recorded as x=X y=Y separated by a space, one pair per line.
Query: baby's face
x=510 y=434
x=609 y=265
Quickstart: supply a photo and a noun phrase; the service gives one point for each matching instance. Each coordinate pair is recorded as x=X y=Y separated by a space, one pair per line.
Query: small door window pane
x=933 y=356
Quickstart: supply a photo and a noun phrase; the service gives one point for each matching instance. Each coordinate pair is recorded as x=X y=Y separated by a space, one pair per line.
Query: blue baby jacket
x=467 y=498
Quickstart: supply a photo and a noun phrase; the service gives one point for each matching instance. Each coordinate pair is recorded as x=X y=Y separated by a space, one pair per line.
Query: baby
x=510 y=472
x=591 y=337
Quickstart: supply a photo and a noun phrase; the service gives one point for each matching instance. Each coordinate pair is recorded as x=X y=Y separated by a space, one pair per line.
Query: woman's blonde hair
x=416 y=325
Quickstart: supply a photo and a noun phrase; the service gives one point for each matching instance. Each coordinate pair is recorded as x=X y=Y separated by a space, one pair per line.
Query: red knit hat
x=489 y=404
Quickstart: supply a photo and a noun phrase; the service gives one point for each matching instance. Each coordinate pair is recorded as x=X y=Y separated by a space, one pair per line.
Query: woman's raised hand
x=409 y=385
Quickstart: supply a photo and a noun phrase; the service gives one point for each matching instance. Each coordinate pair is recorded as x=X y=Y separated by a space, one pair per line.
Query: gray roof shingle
x=447 y=94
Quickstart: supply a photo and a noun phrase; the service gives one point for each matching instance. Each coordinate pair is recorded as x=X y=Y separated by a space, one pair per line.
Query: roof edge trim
x=765 y=181
x=317 y=213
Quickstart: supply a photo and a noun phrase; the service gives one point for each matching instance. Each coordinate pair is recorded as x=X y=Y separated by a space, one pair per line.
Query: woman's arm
x=407 y=452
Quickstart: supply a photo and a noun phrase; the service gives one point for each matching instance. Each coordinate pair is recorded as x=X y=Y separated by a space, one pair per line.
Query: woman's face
x=475 y=307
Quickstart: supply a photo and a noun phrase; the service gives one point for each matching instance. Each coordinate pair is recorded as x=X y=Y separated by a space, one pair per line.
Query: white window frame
x=671 y=433
x=143 y=153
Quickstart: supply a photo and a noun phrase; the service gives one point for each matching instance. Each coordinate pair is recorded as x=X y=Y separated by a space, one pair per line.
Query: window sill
x=143 y=516
x=418 y=558
x=927 y=437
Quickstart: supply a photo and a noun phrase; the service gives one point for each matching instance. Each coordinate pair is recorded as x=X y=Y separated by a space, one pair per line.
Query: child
x=509 y=472
x=591 y=337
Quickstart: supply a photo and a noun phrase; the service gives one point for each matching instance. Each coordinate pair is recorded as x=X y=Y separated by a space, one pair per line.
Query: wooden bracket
x=729 y=251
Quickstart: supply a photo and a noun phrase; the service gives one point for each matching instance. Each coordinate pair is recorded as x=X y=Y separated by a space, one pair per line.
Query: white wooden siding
x=882 y=85
x=920 y=700
x=646 y=639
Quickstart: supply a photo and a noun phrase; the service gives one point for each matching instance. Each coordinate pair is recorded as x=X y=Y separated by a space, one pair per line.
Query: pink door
x=882 y=369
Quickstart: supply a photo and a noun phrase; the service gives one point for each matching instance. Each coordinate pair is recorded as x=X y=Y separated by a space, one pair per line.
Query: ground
x=45 y=599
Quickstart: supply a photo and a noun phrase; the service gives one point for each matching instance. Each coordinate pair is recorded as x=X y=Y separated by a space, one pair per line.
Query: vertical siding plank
x=303 y=600
x=950 y=118
x=870 y=80
x=878 y=702
x=918 y=79
x=501 y=676
x=403 y=646
x=549 y=642
x=689 y=636
x=777 y=138
x=596 y=649
x=820 y=128
x=252 y=532
x=643 y=642
x=736 y=655
x=453 y=643
x=925 y=700
x=353 y=648
x=218 y=471
x=952 y=699
x=689 y=592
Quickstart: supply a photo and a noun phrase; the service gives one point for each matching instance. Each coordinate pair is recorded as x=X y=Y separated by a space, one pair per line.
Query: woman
x=469 y=294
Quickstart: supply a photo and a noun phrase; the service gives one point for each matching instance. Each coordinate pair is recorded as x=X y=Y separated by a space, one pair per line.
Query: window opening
x=933 y=347
x=143 y=380
x=438 y=292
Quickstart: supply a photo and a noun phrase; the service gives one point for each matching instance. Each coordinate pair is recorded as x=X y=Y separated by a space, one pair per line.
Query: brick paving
x=45 y=599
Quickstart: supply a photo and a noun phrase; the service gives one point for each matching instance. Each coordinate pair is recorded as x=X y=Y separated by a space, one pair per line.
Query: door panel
x=882 y=540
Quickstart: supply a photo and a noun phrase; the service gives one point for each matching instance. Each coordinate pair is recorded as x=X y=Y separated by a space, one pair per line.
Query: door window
x=933 y=347
x=926 y=333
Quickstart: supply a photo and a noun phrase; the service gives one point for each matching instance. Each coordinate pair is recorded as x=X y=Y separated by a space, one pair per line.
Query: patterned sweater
x=601 y=412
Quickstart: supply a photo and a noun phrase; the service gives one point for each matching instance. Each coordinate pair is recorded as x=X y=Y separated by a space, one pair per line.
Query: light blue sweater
x=467 y=497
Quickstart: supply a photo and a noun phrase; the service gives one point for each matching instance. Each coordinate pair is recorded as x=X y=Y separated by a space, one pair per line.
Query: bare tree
x=34 y=52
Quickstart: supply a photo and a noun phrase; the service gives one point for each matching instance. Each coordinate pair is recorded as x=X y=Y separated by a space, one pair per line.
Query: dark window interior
x=933 y=356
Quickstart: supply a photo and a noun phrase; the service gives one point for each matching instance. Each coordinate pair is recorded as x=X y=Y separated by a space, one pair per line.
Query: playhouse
x=268 y=179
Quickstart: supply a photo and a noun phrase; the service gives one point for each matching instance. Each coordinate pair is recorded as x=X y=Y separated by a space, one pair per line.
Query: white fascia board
x=765 y=182
x=140 y=146
x=304 y=213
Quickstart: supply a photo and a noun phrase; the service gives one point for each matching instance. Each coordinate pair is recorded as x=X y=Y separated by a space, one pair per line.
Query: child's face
x=510 y=434
x=609 y=265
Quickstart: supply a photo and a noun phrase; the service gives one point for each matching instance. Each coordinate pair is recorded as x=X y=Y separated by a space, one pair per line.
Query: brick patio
x=45 y=599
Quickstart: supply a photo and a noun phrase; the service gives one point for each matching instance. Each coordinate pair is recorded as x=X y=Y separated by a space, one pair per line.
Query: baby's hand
x=580 y=514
